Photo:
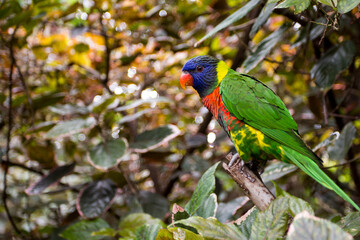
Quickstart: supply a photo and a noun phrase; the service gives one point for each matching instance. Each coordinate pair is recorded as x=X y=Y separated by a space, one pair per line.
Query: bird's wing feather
x=257 y=105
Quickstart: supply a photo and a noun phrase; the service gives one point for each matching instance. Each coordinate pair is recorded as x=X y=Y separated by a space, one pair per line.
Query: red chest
x=216 y=106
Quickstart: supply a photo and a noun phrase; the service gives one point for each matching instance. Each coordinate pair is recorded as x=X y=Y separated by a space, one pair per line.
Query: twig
x=8 y=137
x=344 y=163
x=252 y=186
x=107 y=56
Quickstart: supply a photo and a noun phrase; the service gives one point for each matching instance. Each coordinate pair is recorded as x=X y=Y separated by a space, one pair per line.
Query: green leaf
x=107 y=154
x=136 y=115
x=299 y=5
x=277 y=170
x=315 y=32
x=47 y=100
x=226 y=210
x=263 y=48
x=271 y=223
x=148 y=231
x=333 y=137
x=154 y=138
x=140 y=102
x=154 y=204
x=262 y=18
x=203 y=190
x=351 y=223
x=67 y=128
x=81 y=47
x=69 y=109
x=341 y=146
x=211 y=228
x=104 y=104
x=295 y=205
x=334 y=61
x=183 y=234
x=208 y=207
x=96 y=198
x=83 y=230
x=231 y=19
x=329 y=2
x=345 y=6
x=246 y=221
x=129 y=225
x=53 y=177
x=307 y=226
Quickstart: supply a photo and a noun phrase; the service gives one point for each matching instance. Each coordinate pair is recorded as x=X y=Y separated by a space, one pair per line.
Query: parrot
x=254 y=117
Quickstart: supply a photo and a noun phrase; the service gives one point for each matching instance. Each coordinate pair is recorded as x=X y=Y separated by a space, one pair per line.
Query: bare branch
x=252 y=186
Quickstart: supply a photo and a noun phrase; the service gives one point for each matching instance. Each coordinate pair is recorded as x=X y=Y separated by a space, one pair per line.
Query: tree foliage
x=99 y=142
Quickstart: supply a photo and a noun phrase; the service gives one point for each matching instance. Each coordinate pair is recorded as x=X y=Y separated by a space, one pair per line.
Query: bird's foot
x=235 y=158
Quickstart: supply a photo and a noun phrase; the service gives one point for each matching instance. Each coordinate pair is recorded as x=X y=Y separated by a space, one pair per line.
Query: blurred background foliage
x=94 y=124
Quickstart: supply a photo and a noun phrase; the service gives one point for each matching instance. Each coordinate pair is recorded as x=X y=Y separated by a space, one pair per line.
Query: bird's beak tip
x=186 y=80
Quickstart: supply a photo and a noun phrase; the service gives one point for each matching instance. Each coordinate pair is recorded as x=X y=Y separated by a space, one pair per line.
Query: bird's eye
x=199 y=68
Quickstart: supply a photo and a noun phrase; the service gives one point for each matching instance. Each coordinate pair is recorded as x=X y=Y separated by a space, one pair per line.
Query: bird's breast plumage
x=249 y=142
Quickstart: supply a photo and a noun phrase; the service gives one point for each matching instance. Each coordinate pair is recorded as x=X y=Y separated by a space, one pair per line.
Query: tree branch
x=252 y=186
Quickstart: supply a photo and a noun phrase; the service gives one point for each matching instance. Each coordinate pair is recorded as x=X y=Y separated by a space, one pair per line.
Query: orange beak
x=186 y=80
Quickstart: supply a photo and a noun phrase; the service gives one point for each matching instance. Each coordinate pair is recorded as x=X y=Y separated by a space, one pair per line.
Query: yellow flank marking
x=222 y=69
x=237 y=142
x=282 y=151
x=259 y=135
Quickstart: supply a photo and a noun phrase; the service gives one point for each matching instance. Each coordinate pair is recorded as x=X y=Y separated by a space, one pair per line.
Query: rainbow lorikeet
x=254 y=117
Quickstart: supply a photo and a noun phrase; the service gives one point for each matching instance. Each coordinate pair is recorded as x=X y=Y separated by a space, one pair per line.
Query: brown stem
x=252 y=186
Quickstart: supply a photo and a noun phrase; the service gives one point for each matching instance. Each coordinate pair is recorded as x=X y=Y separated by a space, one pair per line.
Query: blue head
x=200 y=73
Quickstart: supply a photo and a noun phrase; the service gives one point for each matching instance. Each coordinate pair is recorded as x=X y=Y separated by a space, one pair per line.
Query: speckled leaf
x=351 y=223
x=341 y=146
x=307 y=226
x=271 y=223
x=262 y=18
x=53 y=177
x=211 y=228
x=231 y=19
x=345 y=6
x=276 y=170
x=295 y=205
x=107 y=154
x=263 y=48
x=208 y=207
x=246 y=221
x=82 y=230
x=148 y=231
x=299 y=5
x=154 y=138
x=129 y=225
x=203 y=190
x=334 y=61
x=67 y=128
x=96 y=198
x=177 y=233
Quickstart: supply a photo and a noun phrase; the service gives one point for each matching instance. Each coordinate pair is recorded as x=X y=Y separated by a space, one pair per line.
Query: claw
x=234 y=158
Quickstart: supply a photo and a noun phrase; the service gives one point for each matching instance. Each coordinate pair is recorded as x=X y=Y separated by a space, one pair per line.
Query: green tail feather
x=314 y=171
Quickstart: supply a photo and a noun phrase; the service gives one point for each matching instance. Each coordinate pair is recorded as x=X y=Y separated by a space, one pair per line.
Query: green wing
x=257 y=105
